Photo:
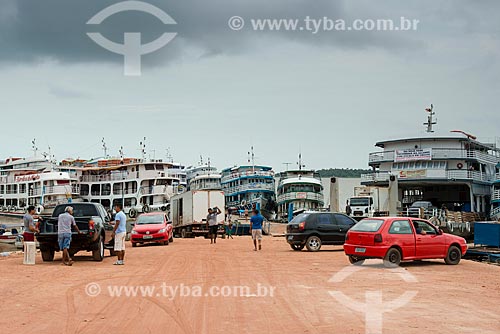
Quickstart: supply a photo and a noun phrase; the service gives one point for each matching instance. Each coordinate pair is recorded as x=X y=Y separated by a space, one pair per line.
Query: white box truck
x=189 y=212
x=369 y=202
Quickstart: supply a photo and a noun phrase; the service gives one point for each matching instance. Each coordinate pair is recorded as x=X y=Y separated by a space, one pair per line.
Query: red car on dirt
x=152 y=227
x=396 y=239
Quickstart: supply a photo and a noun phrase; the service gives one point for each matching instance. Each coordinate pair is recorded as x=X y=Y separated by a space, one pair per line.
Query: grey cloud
x=33 y=30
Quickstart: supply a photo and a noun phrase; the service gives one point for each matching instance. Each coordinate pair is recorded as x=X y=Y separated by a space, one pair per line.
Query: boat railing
x=257 y=186
x=300 y=196
x=495 y=195
x=495 y=211
x=53 y=190
x=440 y=153
x=375 y=177
x=454 y=174
x=249 y=173
x=461 y=174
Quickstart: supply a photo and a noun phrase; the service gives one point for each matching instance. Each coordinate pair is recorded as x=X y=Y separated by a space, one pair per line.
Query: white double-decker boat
x=34 y=181
x=140 y=185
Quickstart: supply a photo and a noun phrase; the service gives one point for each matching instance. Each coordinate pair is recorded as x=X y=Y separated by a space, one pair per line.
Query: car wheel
x=166 y=243
x=98 y=254
x=313 y=243
x=47 y=255
x=392 y=258
x=454 y=255
x=355 y=260
x=134 y=244
x=171 y=238
x=297 y=247
x=183 y=233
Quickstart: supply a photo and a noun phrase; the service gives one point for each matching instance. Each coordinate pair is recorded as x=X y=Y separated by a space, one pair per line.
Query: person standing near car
x=256 y=228
x=65 y=222
x=29 y=225
x=212 y=223
x=119 y=233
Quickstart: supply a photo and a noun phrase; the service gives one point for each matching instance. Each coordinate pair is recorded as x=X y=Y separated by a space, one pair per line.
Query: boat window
x=149 y=167
x=159 y=167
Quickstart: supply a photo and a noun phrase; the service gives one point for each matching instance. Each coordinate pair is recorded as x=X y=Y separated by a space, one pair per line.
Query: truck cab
x=361 y=206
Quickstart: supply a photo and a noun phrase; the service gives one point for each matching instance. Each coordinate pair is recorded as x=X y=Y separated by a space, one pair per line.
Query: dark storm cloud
x=33 y=30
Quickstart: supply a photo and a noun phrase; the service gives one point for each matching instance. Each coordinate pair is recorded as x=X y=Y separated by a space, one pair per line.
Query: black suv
x=312 y=230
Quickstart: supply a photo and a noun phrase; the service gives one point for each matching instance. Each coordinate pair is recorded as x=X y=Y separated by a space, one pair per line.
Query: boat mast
x=251 y=158
x=34 y=148
x=143 y=149
x=430 y=119
x=104 y=148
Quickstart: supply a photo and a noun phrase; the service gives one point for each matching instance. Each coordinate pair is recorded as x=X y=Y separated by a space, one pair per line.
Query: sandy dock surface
x=283 y=292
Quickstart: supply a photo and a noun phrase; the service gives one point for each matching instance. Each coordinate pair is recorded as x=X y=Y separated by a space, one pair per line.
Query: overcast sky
x=215 y=92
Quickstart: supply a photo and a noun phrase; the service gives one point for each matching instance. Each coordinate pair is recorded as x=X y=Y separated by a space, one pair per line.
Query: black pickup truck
x=94 y=224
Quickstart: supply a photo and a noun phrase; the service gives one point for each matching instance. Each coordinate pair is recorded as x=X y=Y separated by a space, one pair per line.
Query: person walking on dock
x=119 y=233
x=212 y=223
x=256 y=228
x=65 y=222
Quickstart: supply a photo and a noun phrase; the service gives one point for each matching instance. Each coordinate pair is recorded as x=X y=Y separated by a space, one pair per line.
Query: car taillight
x=91 y=224
x=378 y=238
x=302 y=226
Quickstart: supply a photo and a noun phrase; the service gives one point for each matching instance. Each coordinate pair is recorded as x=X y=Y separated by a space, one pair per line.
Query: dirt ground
x=313 y=293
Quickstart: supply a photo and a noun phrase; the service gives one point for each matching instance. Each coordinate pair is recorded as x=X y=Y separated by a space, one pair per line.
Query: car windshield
x=155 y=219
x=359 y=202
x=300 y=218
x=79 y=210
x=368 y=225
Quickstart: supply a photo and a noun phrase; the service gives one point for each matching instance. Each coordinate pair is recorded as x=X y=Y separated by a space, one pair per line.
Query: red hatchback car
x=397 y=239
x=152 y=227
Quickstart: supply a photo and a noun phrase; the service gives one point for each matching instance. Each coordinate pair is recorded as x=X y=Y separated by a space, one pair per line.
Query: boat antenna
x=301 y=165
x=34 y=147
x=104 y=148
x=430 y=119
x=170 y=158
x=121 y=153
x=209 y=166
x=143 y=148
x=287 y=164
x=251 y=158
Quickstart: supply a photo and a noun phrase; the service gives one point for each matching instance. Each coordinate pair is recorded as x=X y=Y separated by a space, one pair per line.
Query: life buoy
x=460 y=165
x=449 y=225
x=145 y=208
x=39 y=209
x=132 y=213
x=163 y=208
x=467 y=227
x=243 y=203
